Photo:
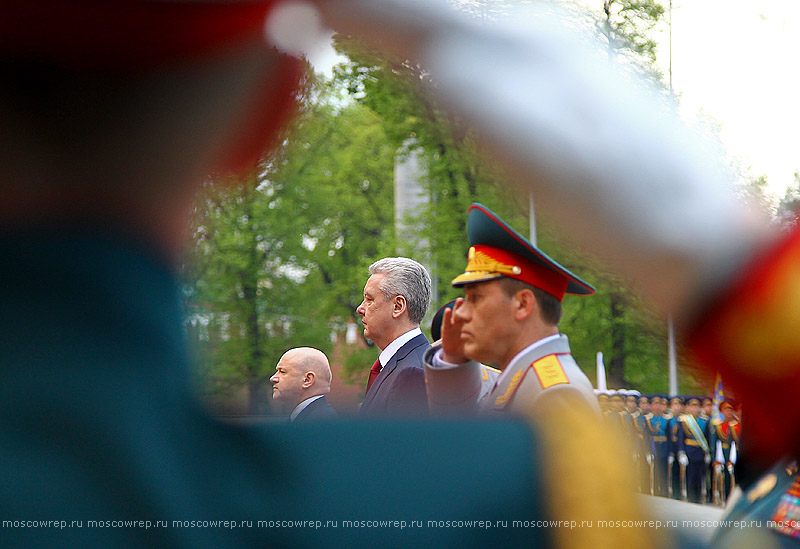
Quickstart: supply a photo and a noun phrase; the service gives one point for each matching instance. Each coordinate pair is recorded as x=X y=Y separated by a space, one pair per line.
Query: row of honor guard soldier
x=692 y=452
x=725 y=441
x=630 y=411
x=679 y=454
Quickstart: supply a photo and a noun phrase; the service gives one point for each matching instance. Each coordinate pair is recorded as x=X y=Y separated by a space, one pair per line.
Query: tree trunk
x=257 y=402
x=616 y=367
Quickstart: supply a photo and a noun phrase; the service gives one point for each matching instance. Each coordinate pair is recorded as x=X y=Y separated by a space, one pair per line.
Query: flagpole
x=673 y=359
x=601 y=372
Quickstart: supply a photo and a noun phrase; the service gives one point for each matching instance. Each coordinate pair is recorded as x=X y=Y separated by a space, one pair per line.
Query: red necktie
x=373 y=373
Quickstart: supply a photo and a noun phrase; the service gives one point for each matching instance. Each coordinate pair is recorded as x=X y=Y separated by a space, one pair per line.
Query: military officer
x=644 y=444
x=707 y=408
x=645 y=403
x=616 y=414
x=657 y=428
x=707 y=413
x=673 y=424
x=693 y=451
x=508 y=317
x=724 y=436
x=631 y=402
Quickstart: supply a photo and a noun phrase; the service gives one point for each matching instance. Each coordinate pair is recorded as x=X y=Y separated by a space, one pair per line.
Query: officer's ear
x=308 y=380
x=525 y=304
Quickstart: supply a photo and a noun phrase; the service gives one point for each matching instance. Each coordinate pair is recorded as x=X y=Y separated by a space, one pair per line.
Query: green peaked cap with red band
x=497 y=250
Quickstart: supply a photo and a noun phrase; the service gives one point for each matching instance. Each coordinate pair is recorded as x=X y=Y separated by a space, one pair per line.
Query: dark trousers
x=695 y=473
x=676 y=480
x=660 y=476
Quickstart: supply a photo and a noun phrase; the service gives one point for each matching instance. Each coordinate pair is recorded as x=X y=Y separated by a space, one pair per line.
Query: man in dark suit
x=396 y=297
x=302 y=379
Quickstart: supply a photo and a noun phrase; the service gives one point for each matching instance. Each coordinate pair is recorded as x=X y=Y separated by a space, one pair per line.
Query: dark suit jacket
x=400 y=387
x=319 y=410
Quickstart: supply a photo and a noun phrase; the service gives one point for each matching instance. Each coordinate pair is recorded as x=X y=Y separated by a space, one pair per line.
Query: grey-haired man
x=396 y=297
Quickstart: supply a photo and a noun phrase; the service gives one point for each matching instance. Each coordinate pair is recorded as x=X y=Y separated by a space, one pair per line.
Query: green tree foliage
x=628 y=24
x=635 y=341
x=456 y=173
x=789 y=207
x=279 y=258
x=248 y=275
x=460 y=173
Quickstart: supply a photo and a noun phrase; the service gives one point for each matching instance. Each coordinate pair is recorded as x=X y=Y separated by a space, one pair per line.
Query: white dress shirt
x=387 y=354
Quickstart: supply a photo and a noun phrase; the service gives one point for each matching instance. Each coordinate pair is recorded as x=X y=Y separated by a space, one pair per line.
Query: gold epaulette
x=548 y=371
x=503 y=399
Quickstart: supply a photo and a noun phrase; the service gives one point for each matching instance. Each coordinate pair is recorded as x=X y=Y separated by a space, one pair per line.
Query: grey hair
x=407 y=278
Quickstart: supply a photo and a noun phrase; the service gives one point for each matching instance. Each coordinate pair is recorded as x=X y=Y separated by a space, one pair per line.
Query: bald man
x=302 y=379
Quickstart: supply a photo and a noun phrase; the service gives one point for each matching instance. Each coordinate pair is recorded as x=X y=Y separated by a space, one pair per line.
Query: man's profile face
x=693 y=408
x=287 y=383
x=376 y=312
x=728 y=414
x=487 y=317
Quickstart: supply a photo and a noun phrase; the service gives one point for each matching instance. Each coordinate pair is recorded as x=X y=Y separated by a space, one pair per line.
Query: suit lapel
x=387 y=370
x=308 y=409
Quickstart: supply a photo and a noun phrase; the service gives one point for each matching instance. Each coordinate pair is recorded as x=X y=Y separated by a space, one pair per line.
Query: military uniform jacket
x=644 y=440
x=547 y=368
x=690 y=443
x=673 y=424
x=725 y=433
x=657 y=426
